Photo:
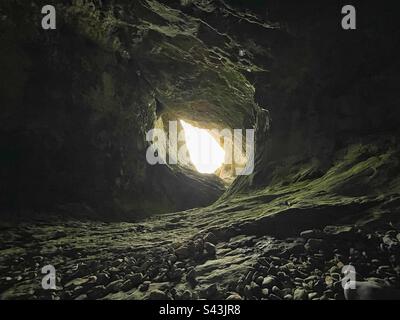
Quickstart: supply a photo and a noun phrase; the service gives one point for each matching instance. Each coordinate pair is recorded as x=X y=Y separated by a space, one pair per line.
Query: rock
x=300 y=294
x=175 y=274
x=342 y=231
x=367 y=290
x=132 y=282
x=276 y=291
x=314 y=244
x=158 y=295
x=191 y=276
x=259 y=280
x=274 y=297
x=103 y=278
x=307 y=234
x=247 y=292
x=211 y=237
x=210 y=291
x=390 y=241
x=312 y=295
x=186 y=295
x=210 y=249
x=81 y=297
x=255 y=289
x=97 y=292
x=182 y=252
x=268 y=282
x=265 y=292
x=144 y=286
x=115 y=286
x=234 y=296
x=136 y=279
x=186 y=251
x=288 y=297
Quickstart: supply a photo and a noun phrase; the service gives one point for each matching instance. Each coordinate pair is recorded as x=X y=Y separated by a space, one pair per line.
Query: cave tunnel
x=185 y=150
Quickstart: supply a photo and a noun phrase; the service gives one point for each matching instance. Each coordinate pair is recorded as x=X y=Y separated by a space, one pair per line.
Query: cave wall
x=78 y=101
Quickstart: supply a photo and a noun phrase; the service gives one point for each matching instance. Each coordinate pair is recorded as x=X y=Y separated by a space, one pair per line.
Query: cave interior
x=78 y=193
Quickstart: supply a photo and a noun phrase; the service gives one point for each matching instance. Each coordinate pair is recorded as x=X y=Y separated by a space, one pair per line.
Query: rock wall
x=78 y=101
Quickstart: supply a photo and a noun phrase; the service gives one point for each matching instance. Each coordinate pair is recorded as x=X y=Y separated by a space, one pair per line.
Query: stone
x=276 y=291
x=255 y=289
x=268 y=282
x=210 y=291
x=314 y=244
x=234 y=296
x=300 y=294
x=210 y=249
x=144 y=286
x=115 y=286
x=134 y=281
x=211 y=237
x=191 y=275
x=182 y=252
x=158 y=295
x=97 y=292
x=307 y=234
x=368 y=290
x=186 y=295
x=274 y=297
x=312 y=295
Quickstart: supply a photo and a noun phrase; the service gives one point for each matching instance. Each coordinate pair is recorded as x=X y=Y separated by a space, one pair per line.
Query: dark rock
x=308 y=234
x=144 y=286
x=274 y=297
x=314 y=244
x=158 y=295
x=210 y=249
x=115 y=286
x=368 y=290
x=97 y=292
x=211 y=237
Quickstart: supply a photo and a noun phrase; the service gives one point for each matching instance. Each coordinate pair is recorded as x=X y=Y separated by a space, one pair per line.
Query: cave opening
x=206 y=154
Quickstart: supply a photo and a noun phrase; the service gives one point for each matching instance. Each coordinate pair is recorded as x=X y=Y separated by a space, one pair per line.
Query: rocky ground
x=160 y=258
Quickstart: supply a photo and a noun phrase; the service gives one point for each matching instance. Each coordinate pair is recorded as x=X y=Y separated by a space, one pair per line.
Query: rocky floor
x=160 y=259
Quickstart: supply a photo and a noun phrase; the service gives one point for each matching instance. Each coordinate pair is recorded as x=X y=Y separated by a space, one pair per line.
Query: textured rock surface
x=77 y=103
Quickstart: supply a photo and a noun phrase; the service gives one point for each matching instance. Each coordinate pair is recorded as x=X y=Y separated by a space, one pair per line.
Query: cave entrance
x=206 y=154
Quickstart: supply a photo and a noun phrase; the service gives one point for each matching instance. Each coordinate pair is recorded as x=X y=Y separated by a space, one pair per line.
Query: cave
x=186 y=150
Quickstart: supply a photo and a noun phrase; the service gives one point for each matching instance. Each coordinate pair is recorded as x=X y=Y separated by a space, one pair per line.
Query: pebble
x=144 y=286
x=234 y=296
x=158 y=295
x=97 y=292
x=211 y=238
x=300 y=294
x=268 y=282
x=210 y=249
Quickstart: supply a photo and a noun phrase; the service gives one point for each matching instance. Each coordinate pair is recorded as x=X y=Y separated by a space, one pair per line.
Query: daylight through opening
x=205 y=152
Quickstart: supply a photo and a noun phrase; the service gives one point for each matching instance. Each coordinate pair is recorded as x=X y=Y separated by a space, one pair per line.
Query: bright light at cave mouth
x=204 y=151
